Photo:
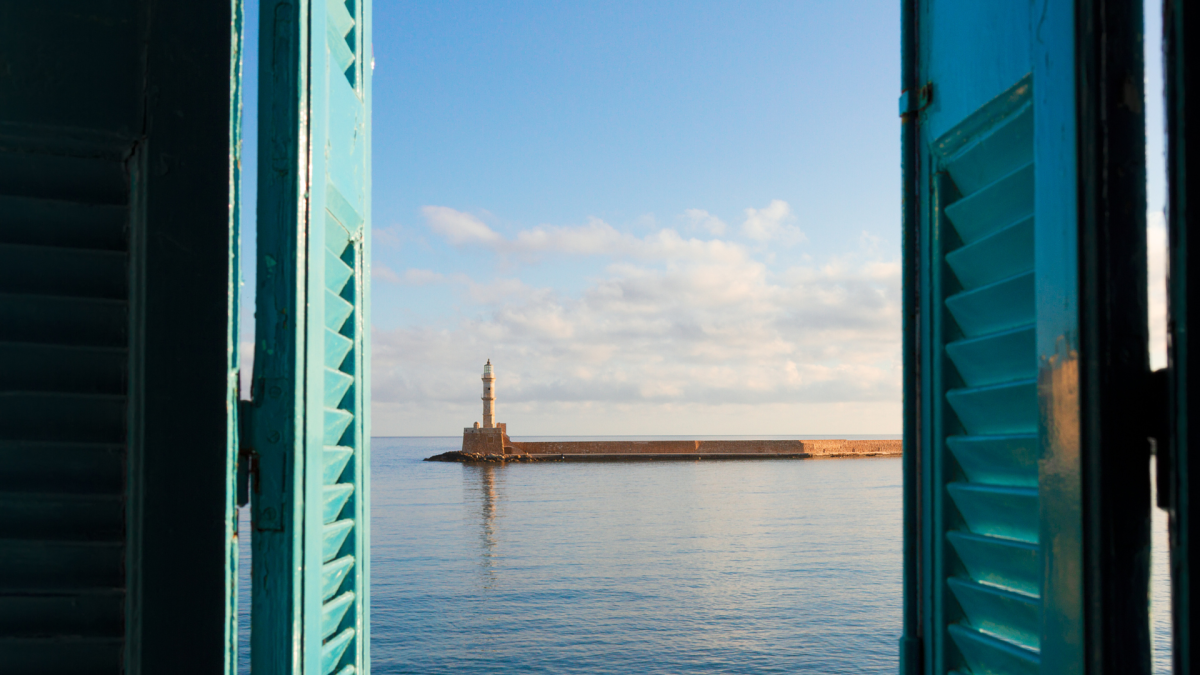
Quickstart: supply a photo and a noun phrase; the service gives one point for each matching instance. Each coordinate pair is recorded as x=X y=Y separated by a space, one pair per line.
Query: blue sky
x=669 y=217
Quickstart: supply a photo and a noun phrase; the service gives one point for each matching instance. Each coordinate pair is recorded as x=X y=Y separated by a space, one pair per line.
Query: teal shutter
x=64 y=394
x=983 y=231
x=1026 y=496
x=310 y=417
x=1174 y=447
x=117 y=349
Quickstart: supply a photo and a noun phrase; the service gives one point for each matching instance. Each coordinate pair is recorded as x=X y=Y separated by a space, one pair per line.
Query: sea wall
x=811 y=448
x=495 y=441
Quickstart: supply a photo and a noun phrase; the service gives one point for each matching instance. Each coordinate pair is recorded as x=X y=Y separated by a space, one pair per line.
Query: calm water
x=663 y=567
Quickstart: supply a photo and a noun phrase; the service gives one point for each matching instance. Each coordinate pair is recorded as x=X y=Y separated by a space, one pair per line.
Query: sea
x=726 y=566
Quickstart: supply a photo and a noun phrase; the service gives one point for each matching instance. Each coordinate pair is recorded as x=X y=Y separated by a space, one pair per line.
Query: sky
x=654 y=218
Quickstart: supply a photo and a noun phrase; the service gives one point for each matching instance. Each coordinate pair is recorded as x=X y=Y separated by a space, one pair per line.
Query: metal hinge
x=915 y=101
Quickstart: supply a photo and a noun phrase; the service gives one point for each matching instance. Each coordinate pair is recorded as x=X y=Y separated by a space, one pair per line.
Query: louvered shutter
x=63 y=390
x=310 y=420
x=1024 y=331
x=1174 y=446
x=984 y=197
x=117 y=350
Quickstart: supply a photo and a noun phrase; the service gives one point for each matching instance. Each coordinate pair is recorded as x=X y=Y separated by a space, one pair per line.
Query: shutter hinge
x=247 y=458
x=915 y=101
x=1158 y=422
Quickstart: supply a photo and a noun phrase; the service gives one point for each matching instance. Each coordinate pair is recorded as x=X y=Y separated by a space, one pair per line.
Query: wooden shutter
x=1026 y=491
x=310 y=415
x=1174 y=446
x=63 y=390
x=117 y=350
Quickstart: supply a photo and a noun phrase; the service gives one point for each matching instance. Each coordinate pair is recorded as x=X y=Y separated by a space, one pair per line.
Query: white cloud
x=416 y=277
x=458 y=227
x=1156 y=253
x=381 y=272
x=703 y=220
x=595 y=238
x=772 y=223
x=676 y=332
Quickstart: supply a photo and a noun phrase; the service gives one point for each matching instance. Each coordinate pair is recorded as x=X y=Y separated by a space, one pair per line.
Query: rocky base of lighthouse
x=487 y=441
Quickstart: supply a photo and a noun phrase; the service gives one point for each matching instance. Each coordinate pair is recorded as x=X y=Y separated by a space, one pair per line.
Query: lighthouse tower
x=489 y=396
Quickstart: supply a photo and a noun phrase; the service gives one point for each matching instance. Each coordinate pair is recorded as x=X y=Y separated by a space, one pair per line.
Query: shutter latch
x=915 y=101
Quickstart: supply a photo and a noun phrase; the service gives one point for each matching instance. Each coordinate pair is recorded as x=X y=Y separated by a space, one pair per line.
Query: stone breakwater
x=817 y=448
x=494 y=445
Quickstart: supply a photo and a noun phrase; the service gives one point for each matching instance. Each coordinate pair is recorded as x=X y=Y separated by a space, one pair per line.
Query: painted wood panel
x=310 y=417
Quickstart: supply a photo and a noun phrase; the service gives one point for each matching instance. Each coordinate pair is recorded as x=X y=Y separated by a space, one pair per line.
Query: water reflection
x=480 y=483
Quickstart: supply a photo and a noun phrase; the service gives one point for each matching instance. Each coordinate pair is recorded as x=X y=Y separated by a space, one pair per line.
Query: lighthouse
x=489 y=396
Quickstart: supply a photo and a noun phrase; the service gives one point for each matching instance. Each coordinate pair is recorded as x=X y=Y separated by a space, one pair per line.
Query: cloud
x=1156 y=253
x=594 y=238
x=458 y=227
x=703 y=220
x=381 y=272
x=675 y=327
x=772 y=223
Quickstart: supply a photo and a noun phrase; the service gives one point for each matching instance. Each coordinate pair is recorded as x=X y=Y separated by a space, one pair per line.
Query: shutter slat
x=337 y=383
x=332 y=650
x=1014 y=617
x=62 y=516
x=335 y=498
x=92 y=322
x=1000 y=562
x=337 y=311
x=337 y=238
x=61 y=222
x=63 y=368
x=336 y=458
x=94 y=178
x=342 y=211
x=52 y=270
x=999 y=255
x=997 y=460
x=333 y=573
x=28 y=565
x=339 y=18
x=1008 y=512
x=337 y=346
x=339 y=51
x=334 y=536
x=98 y=612
x=995 y=358
x=999 y=151
x=999 y=306
x=336 y=423
x=988 y=655
x=337 y=273
x=333 y=611
x=1004 y=202
x=48 y=416
x=1009 y=408
x=86 y=468
x=61 y=655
